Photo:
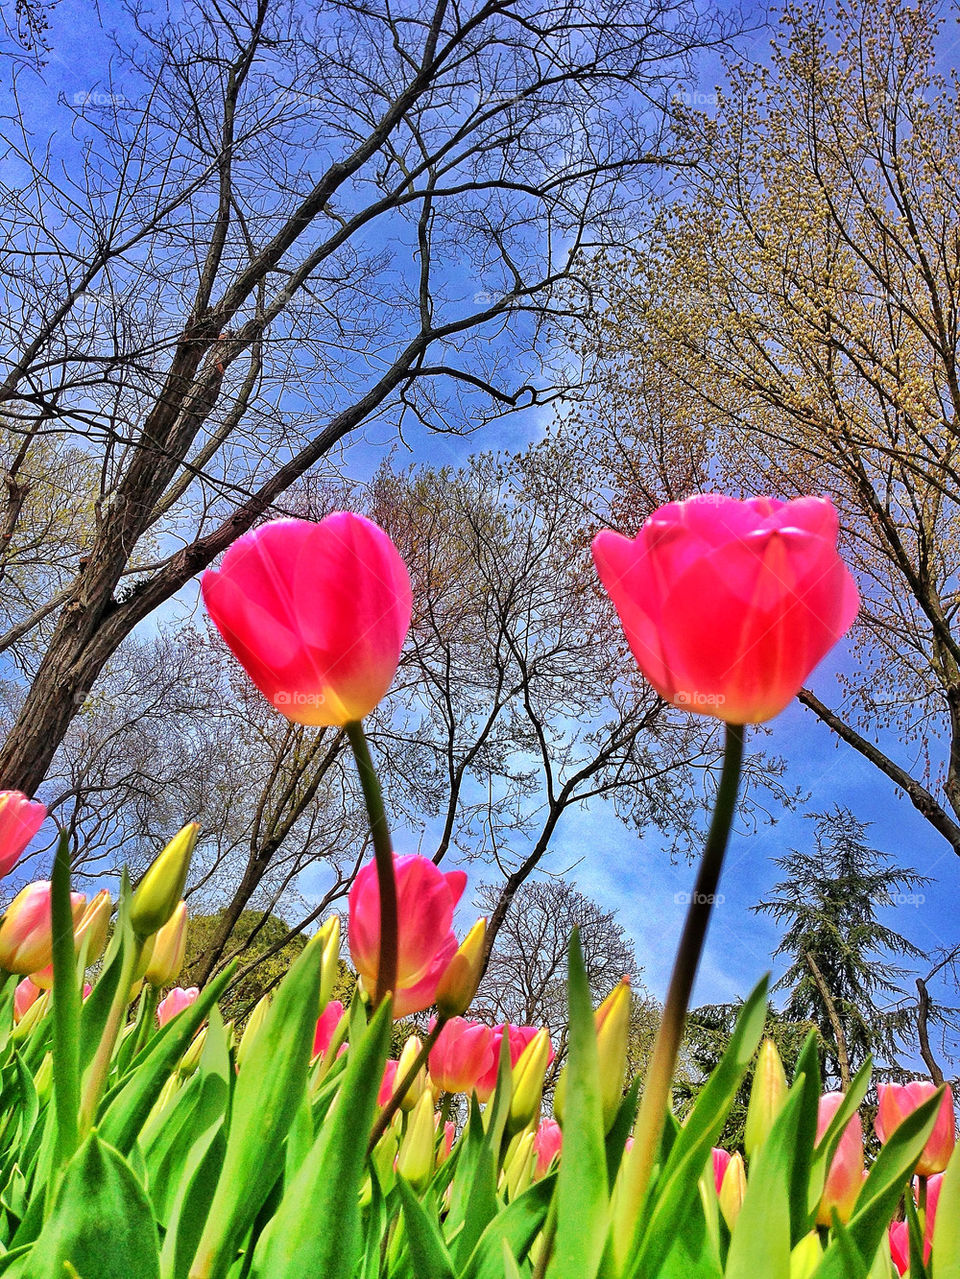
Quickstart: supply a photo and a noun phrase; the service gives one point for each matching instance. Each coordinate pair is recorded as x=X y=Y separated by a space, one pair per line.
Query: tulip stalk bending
x=383 y=856
x=66 y=1010
x=656 y=1093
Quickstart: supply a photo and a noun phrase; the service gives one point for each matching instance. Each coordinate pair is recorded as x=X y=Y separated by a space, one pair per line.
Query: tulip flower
x=719 y=1162
x=426 y=899
x=900 y=1232
x=517 y=1037
x=447 y=1140
x=388 y=1082
x=528 y=1076
x=612 y=1024
x=899 y=1100
x=176 y=1002
x=460 y=979
x=728 y=606
x=20 y=819
x=733 y=1189
x=845 y=1176
x=462 y=1055
x=329 y=939
x=546 y=1144
x=900 y=1246
x=768 y=1094
x=24 y=997
x=409 y=1053
x=315 y=613
x=415 y=1160
x=92 y=930
x=327 y=1024
x=26 y=942
x=160 y=891
x=167 y=949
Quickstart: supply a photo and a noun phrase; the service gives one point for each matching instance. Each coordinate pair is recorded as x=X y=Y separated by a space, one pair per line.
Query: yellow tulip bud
x=518 y=1166
x=768 y=1096
x=191 y=1058
x=415 y=1161
x=806 y=1257
x=732 y=1190
x=409 y=1054
x=43 y=1079
x=385 y=1153
x=612 y=1022
x=252 y=1029
x=461 y=977
x=30 y=1018
x=528 y=1081
x=329 y=936
x=166 y=949
x=161 y=888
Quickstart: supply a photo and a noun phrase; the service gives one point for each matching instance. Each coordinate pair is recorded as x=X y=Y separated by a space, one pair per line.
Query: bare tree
x=261 y=247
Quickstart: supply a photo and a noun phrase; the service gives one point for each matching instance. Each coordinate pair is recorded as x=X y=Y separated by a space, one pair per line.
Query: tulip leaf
x=299 y=1242
x=881 y=1191
x=429 y=1254
x=806 y=1082
x=760 y=1242
x=694 y=1251
x=517 y=1226
x=675 y=1188
x=946 y=1227
x=582 y=1198
x=267 y=1094
x=100 y=1223
x=621 y=1129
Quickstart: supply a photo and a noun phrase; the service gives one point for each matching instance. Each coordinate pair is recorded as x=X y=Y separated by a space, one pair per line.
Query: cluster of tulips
x=146 y=1139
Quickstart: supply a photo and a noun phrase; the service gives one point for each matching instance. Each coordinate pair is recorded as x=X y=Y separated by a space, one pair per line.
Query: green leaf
x=694 y=1251
x=675 y=1188
x=316 y=1229
x=621 y=1129
x=517 y=1226
x=429 y=1254
x=583 y=1199
x=101 y=1223
x=268 y=1091
x=946 y=1229
x=806 y=1081
x=760 y=1243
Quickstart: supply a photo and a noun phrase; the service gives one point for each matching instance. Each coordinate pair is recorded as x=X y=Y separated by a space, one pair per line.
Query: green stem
x=145 y=1015
x=96 y=1075
x=66 y=1009
x=400 y=1090
x=383 y=856
x=656 y=1093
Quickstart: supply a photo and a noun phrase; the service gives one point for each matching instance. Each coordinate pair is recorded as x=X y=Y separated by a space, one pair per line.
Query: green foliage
x=252 y=937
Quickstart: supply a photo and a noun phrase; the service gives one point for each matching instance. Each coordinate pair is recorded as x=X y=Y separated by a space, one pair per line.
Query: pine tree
x=843 y=976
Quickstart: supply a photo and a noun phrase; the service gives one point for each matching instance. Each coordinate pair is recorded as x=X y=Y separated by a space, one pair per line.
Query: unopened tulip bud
x=845 y=1176
x=24 y=997
x=20 y=819
x=26 y=931
x=612 y=1022
x=460 y=980
x=528 y=1081
x=167 y=949
x=768 y=1096
x=90 y=937
x=384 y=1155
x=252 y=1029
x=176 y=1002
x=806 y=1257
x=34 y=1014
x=899 y=1100
x=409 y=1054
x=415 y=1160
x=43 y=1079
x=733 y=1189
x=518 y=1168
x=191 y=1058
x=161 y=888
x=330 y=964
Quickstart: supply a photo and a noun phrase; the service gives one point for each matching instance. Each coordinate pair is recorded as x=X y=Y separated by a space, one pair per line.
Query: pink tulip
x=900 y=1233
x=20 y=819
x=546 y=1143
x=462 y=1054
x=176 y=1002
x=446 y=1141
x=900 y=1246
x=327 y=1023
x=388 y=1082
x=846 y=1170
x=315 y=613
x=24 y=997
x=720 y=1162
x=518 y=1037
x=426 y=900
x=728 y=606
x=899 y=1100
x=26 y=942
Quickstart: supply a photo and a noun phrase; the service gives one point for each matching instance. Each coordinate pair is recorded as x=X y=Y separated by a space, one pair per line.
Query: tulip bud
x=161 y=888
x=733 y=1189
x=43 y=1079
x=166 y=949
x=252 y=1029
x=806 y=1257
x=176 y=1002
x=845 y=1175
x=91 y=932
x=415 y=1160
x=191 y=1058
x=26 y=931
x=34 y=1014
x=24 y=997
x=528 y=1081
x=899 y=1100
x=460 y=980
x=409 y=1054
x=768 y=1096
x=330 y=964
x=385 y=1153
x=518 y=1166
x=20 y=819
x=612 y=1022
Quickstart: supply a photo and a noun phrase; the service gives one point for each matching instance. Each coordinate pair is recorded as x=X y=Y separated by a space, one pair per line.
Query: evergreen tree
x=842 y=974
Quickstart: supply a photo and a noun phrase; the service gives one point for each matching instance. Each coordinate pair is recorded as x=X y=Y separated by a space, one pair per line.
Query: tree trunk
x=843 y=1059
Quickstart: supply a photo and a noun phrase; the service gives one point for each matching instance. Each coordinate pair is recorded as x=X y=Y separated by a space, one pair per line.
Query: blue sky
x=636 y=877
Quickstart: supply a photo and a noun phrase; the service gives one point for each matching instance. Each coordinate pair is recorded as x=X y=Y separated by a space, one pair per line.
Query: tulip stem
x=96 y=1075
x=656 y=1093
x=401 y=1089
x=383 y=856
x=66 y=1009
